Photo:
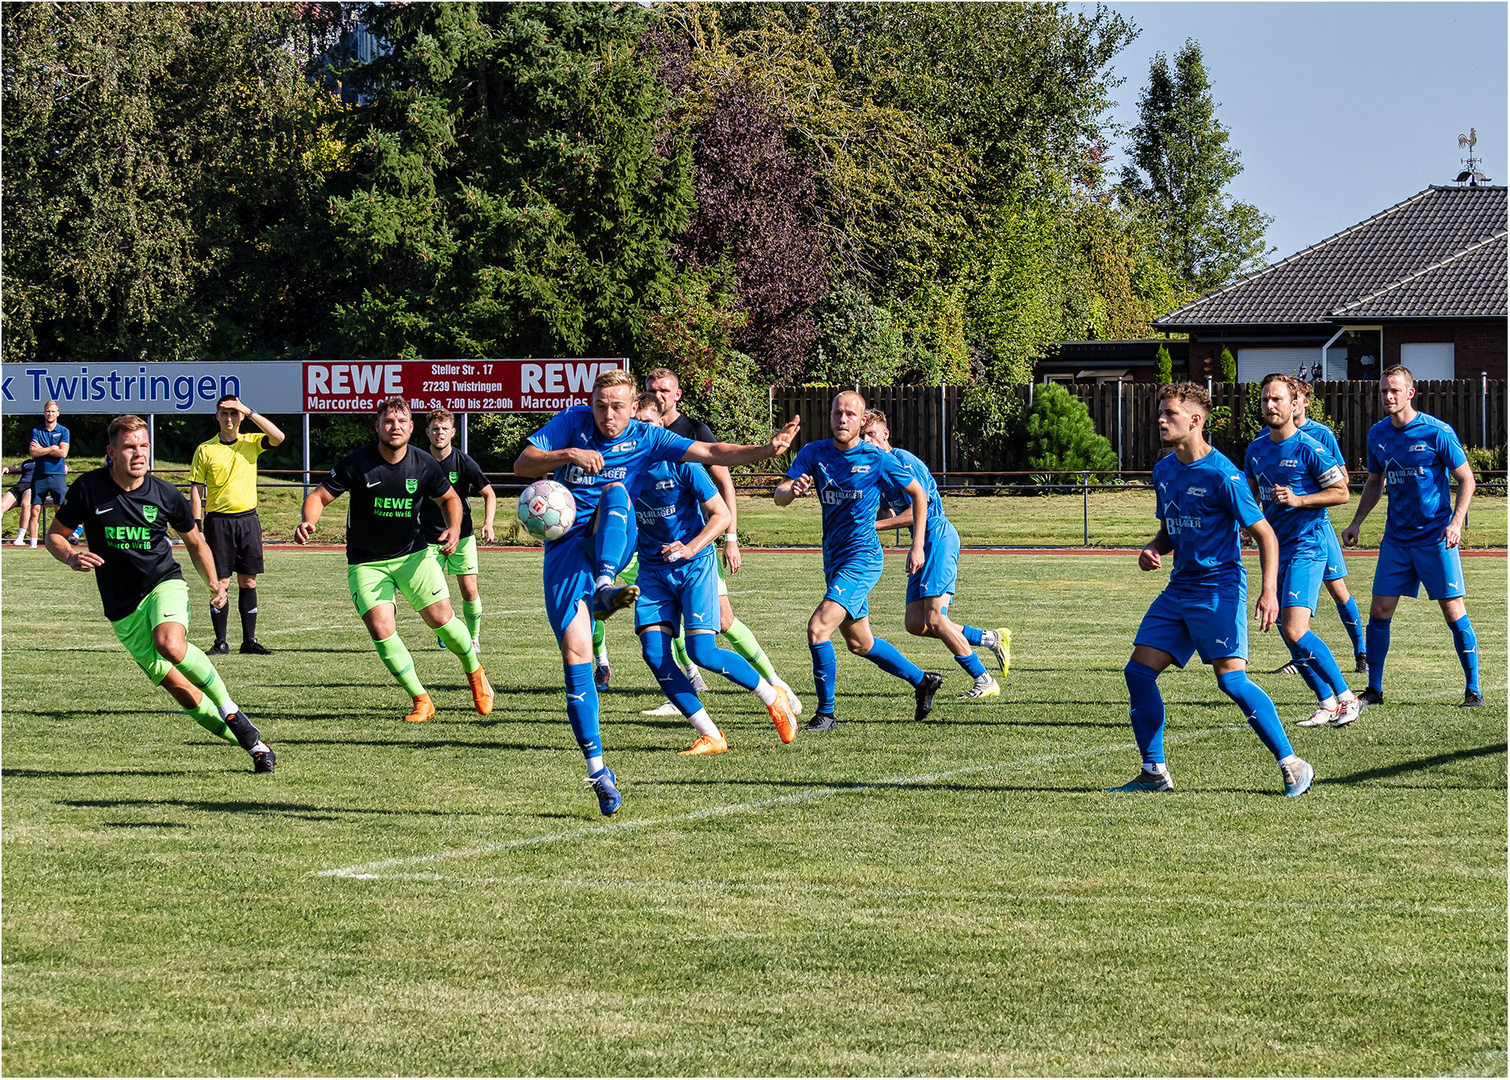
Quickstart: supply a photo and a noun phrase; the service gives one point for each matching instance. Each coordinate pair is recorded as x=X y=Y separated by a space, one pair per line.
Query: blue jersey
x=1320 y=433
x=896 y=497
x=50 y=466
x=1201 y=506
x=626 y=460
x=1303 y=466
x=1416 y=460
x=849 y=485
x=670 y=508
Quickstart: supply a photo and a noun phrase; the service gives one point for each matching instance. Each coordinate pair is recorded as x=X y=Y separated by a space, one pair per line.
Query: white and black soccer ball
x=547 y=509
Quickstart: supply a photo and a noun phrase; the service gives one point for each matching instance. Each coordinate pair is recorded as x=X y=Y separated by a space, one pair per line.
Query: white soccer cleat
x=1348 y=711
x=793 y=703
x=1320 y=718
x=666 y=709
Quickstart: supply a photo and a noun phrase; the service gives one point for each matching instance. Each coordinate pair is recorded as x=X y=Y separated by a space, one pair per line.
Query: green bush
x=1227 y=366
x=1164 y=366
x=1060 y=435
x=989 y=425
x=1486 y=458
x=857 y=342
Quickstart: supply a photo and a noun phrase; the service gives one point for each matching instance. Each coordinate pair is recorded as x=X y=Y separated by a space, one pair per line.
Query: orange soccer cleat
x=482 y=690
x=781 y=716
x=424 y=709
x=707 y=744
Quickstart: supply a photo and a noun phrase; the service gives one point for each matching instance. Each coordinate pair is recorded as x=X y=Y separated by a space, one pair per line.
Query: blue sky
x=1339 y=110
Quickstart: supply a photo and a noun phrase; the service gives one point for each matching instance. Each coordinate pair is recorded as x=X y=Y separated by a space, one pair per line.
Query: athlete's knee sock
x=825 y=675
x=1348 y=613
x=471 y=613
x=1466 y=642
x=975 y=637
x=884 y=655
x=395 y=657
x=972 y=665
x=1378 y=648
x=673 y=680
x=196 y=667
x=246 y=604
x=705 y=653
x=220 y=619
x=679 y=651
x=1145 y=707
x=1312 y=676
x=600 y=641
x=208 y=717
x=614 y=532
x=1258 y=707
x=742 y=640
x=1322 y=664
x=582 y=711
x=454 y=634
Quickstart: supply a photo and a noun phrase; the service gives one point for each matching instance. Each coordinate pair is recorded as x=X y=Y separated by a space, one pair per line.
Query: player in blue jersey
x=932 y=586
x=848 y=473
x=1414 y=454
x=602 y=454
x=1201 y=502
x=1295 y=480
x=1335 y=577
x=679 y=512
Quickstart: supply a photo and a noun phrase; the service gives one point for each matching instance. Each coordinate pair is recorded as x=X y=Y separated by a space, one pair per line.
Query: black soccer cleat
x=220 y=648
x=1372 y=697
x=821 y=722
x=1472 y=699
x=264 y=760
x=247 y=735
x=607 y=599
x=1287 y=668
x=255 y=648
x=923 y=693
x=1360 y=663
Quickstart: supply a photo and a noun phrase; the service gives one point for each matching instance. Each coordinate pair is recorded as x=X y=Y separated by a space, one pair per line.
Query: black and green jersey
x=129 y=530
x=467 y=478
x=382 y=519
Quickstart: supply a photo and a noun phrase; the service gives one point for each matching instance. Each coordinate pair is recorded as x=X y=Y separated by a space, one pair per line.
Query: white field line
x=371 y=869
x=1484 y=1063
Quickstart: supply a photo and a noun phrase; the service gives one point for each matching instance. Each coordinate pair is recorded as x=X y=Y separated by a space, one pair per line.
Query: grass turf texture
x=957 y=896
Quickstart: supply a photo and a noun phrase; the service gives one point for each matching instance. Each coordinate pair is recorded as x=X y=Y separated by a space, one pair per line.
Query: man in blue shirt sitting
x=1414 y=454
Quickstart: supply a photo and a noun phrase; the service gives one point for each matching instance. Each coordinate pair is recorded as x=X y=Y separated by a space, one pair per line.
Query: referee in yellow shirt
x=223 y=483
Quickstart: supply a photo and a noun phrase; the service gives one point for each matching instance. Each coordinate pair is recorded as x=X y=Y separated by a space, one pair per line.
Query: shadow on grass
x=298 y=810
x=422 y=744
x=1402 y=767
x=64 y=774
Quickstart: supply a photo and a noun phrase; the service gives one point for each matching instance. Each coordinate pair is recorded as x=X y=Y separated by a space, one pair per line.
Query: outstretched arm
x=734 y=454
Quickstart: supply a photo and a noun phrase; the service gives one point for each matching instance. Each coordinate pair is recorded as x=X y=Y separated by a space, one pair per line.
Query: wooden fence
x=924 y=419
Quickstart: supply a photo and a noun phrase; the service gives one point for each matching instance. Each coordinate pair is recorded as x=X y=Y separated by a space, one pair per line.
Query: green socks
x=208 y=717
x=196 y=667
x=400 y=664
x=599 y=635
x=743 y=639
x=471 y=611
x=455 y=635
x=679 y=650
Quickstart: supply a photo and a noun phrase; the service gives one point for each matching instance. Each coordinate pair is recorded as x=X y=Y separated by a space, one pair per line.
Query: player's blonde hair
x=663 y=373
x=614 y=377
x=1188 y=393
x=1401 y=370
x=124 y=425
x=389 y=406
x=876 y=416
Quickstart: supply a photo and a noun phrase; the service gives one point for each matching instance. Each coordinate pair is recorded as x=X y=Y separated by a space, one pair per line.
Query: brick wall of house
x=1479 y=345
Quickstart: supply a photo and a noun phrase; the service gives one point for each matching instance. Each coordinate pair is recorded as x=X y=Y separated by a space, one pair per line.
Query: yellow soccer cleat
x=1000 y=644
x=706 y=744
x=424 y=709
x=984 y=687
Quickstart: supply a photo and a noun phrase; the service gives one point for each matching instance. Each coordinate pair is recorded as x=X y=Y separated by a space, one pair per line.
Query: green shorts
x=168 y=602
x=632 y=571
x=417 y=576
x=461 y=561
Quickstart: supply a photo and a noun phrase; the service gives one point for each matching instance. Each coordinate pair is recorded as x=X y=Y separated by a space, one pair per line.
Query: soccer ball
x=547 y=509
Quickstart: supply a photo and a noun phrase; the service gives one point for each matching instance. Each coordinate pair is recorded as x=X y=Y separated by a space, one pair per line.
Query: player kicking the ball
x=930 y=588
x=386 y=553
x=850 y=473
x=1201 y=502
x=603 y=455
x=125 y=512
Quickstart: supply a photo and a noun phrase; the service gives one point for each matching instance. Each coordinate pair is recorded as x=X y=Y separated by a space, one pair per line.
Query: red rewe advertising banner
x=459 y=385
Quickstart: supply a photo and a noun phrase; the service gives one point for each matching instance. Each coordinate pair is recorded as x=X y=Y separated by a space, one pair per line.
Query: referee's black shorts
x=236 y=542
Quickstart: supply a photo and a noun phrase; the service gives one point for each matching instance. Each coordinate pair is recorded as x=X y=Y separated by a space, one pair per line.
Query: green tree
x=857 y=342
x=1060 y=436
x=1164 y=366
x=1180 y=168
x=1226 y=366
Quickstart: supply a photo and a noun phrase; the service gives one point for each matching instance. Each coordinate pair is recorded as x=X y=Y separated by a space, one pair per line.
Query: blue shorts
x=684 y=593
x=1300 y=582
x=940 y=572
x=1211 y=622
x=568 y=574
x=849 y=586
x=1402 y=571
x=41 y=485
x=1336 y=566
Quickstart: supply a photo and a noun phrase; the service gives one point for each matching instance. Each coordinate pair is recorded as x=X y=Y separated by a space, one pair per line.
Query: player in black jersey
x=468 y=481
x=386 y=553
x=125 y=512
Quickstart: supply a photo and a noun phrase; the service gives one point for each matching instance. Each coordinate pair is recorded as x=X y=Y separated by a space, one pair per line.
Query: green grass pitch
x=955 y=896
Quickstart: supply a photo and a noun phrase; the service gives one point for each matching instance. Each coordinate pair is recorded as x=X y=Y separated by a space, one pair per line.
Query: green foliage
x=1060 y=436
x=1486 y=458
x=1226 y=366
x=1164 y=366
x=988 y=425
x=856 y=342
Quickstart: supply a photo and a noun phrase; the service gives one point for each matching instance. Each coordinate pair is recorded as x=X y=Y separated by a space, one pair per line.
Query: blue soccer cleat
x=1148 y=781
x=1298 y=776
x=607 y=599
x=603 y=784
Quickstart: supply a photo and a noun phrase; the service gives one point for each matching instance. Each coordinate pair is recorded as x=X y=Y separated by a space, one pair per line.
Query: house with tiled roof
x=1422 y=283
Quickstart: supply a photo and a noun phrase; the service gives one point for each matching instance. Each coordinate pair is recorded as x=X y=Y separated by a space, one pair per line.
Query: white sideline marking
x=1485 y=1063
x=366 y=870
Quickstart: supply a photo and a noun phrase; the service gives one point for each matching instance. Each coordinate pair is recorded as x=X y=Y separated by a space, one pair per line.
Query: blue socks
x=656 y=648
x=582 y=708
x=615 y=531
x=1258 y=707
x=972 y=665
x=1348 y=613
x=973 y=635
x=1318 y=666
x=1466 y=642
x=825 y=675
x=1146 y=710
x=884 y=655
x=1378 y=648
x=704 y=651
